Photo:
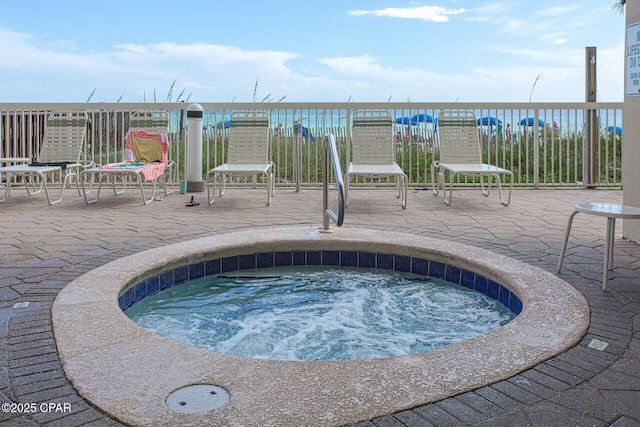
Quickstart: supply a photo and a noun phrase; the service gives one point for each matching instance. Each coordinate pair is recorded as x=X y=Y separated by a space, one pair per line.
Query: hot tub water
x=319 y=313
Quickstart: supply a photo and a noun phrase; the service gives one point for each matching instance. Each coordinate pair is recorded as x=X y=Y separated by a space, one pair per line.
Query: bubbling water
x=319 y=313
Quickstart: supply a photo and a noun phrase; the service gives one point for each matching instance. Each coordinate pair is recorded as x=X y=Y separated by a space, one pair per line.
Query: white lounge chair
x=373 y=151
x=461 y=154
x=247 y=153
x=9 y=161
x=146 y=161
x=60 y=151
x=156 y=122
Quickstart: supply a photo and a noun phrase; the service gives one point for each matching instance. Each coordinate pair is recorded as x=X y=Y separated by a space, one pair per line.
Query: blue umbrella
x=403 y=120
x=421 y=118
x=304 y=131
x=491 y=121
x=616 y=129
x=531 y=121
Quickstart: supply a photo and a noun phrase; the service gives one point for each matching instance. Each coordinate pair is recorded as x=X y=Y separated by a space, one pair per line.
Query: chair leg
x=153 y=189
x=611 y=234
x=6 y=191
x=506 y=202
x=273 y=178
x=489 y=181
x=164 y=185
x=84 y=190
x=269 y=180
x=608 y=252
x=7 y=188
x=91 y=178
x=436 y=186
x=114 y=178
x=67 y=178
x=566 y=240
x=273 y=184
x=499 y=183
x=440 y=183
x=211 y=195
x=172 y=179
x=46 y=192
x=223 y=184
x=452 y=177
x=31 y=182
x=405 y=185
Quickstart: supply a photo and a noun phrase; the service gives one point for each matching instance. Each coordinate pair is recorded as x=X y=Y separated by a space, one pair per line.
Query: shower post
x=194 y=148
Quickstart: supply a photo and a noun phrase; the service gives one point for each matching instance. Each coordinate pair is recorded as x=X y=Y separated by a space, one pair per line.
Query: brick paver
x=43 y=248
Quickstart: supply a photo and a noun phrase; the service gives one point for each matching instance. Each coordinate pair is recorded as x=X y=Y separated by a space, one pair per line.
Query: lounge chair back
x=147 y=147
x=247 y=153
x=149 y=121
x=248 y=138
x=458 y=137
x=372 y=139
x=373 y=151
x=64 y=137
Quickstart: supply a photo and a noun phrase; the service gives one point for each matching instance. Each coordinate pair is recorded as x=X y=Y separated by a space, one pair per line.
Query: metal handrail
x=330 y=145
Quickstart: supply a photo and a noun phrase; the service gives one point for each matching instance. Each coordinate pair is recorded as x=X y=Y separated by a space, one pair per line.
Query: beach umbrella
x=531 y=121
x=223 y=124
x=304 y=131
x=616 y=129
x=491 y=121
x=406 y=121
x=421 y=118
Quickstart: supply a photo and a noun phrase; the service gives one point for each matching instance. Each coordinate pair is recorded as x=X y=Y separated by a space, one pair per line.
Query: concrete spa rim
x=128 y=372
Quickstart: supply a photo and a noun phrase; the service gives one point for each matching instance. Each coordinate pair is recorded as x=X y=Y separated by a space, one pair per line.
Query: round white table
x=611 y=211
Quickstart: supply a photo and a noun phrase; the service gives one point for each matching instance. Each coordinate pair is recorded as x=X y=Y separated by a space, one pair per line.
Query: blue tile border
x=399 y=263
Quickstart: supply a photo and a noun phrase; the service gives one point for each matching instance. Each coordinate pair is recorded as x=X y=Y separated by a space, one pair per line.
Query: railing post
x=297 y=166
x=590 y=171
x=536 y=148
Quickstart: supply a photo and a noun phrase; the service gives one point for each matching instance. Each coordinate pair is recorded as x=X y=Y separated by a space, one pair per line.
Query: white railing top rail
x=413 y=105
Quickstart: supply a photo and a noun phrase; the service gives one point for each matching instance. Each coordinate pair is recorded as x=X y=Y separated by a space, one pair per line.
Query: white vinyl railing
x=544 y=144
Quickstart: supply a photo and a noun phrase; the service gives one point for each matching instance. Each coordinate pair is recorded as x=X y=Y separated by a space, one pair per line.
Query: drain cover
x=197 y=398
x=22 y=304
x=597 y=344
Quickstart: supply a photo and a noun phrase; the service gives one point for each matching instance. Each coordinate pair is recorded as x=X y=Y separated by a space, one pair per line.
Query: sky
x=308 y=51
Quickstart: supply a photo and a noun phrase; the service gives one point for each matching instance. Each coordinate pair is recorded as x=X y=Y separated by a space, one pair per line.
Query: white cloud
x=425 y=13
x=557 y=10
x=136 y=70
x=47 y=70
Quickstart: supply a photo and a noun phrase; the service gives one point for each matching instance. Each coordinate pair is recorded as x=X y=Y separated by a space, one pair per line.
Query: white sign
x=632 y=61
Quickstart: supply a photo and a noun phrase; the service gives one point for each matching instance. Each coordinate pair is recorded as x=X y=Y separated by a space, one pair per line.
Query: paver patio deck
x=43 y=248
